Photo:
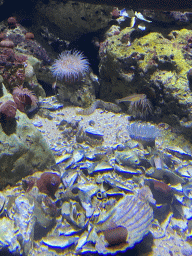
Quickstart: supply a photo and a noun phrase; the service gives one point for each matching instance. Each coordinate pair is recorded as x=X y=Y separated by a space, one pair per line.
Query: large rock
x=151 y=64
x=22 y=148
x=72 y=19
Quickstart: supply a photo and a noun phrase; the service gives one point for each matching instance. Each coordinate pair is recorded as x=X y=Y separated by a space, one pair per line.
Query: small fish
x=132 y=98
x=131 y=14
x=139 y=16
x=141 y=26
x=127 y=13
x=55 y=87
x=134 y=16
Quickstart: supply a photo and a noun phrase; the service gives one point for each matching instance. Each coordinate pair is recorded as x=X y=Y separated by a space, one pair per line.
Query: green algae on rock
x=151 y=61
x=22 y=148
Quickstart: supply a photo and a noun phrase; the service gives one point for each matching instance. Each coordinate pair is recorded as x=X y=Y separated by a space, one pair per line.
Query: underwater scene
x=95 y=128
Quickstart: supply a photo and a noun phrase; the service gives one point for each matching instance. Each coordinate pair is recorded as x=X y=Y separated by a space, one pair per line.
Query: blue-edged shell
x=91 y=131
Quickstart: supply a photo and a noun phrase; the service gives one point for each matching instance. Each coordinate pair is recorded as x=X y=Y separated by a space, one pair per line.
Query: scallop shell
x=132 y=212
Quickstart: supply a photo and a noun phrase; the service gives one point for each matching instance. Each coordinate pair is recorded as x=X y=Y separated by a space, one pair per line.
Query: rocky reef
x=95 y=146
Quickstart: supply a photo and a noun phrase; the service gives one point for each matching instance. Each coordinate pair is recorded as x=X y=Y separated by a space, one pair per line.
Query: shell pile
x=112 y=196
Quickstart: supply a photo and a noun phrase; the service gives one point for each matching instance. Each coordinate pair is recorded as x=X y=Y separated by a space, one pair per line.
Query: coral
x=29 y=36
x=8 y=109
x=115 y=13
x=48 y=183
x=35 y=49
x=12 y=68
x=7 y=43
x=12 y=22
x=23 y=98
x=70 y=66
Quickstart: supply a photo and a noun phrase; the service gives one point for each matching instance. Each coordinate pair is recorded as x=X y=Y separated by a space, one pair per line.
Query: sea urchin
x=140 y=106
x=70 y=66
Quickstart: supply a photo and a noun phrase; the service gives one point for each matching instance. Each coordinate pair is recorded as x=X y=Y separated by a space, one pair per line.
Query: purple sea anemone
x=70 y=66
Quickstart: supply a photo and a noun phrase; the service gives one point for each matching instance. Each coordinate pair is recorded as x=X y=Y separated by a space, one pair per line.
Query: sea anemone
x=48 y=183
x=12 y=22
x=8 y=109
x=144 y=132
x=140 y=106
x=70 y=66
x=24 y=97
x=29 y=36
x=115 y=13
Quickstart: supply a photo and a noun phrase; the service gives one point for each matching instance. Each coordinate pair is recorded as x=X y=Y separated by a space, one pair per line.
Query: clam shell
x=86 y=203
x=91 y=131
x=179 y=152
x=127 y=157
x=102 y=167
x=82 y=240
x=77 y=156
x=89 y=188
x=185 y=171
x=129 y=170
x=160 y=174
x=116 y=184
x=187 y=190
x=69 y=178
x=52 y=106
x=187 y=212
x=2 y=202
x=132 y=212
x=62 y=158
x=59 y=241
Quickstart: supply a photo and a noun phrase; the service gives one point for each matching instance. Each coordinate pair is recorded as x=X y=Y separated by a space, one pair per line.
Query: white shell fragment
x=90 y=130
x=59 y=241
x=25 y=220
x=82 y=240
x=141 y=17
x=8 y=235
x=62 y=158
x=103 y=166
x=2 y=202
x=129 y=170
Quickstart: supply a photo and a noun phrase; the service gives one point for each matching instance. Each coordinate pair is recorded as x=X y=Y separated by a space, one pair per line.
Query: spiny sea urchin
x=140 y=106
x=70 y=66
